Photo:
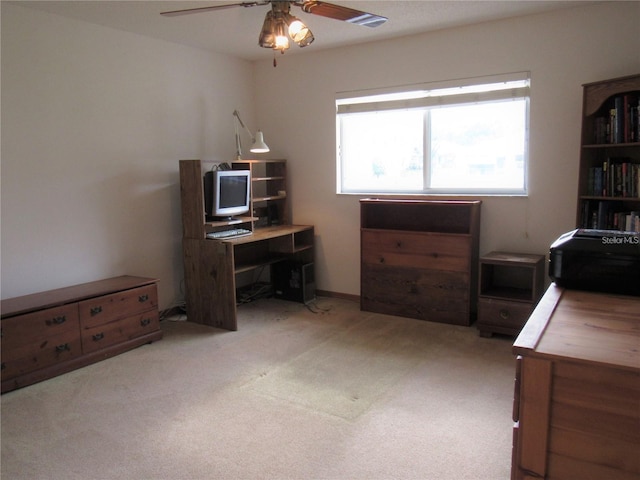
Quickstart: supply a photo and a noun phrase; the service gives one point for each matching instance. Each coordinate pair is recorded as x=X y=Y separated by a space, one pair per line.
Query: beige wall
x=94 y=121
x=562 y=50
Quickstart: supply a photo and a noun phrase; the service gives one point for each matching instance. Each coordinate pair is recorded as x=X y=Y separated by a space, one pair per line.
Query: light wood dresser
x=577 y=395
x=49 y=333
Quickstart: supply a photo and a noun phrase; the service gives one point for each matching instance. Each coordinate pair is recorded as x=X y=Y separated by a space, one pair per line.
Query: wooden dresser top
x=61 y=296
x=584 y=326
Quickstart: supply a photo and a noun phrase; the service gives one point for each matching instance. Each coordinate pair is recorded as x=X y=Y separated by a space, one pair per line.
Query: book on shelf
x=605 y=215
x=620 y=120
x=616 y=177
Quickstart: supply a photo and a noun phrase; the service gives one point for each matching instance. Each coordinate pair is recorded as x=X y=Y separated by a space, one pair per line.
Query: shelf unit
x=269 y=204
x=510 y=286
x=419 y=258
x=213 y=267
x=608 y=184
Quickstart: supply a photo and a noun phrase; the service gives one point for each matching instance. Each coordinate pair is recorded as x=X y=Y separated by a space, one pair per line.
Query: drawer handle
x=95 y=311
x=98 y=336
x=57 y=320
x=143 y=298
x=65 y=347
x=381 y=259
x=504 y=314
x=145 y=321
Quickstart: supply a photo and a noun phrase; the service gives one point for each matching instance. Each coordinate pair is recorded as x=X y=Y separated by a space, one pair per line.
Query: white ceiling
x=222 y=30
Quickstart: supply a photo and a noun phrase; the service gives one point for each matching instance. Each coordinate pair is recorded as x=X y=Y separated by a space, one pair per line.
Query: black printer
x=599 y=260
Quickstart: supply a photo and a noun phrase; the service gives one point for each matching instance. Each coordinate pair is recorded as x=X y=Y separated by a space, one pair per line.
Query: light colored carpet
x=347 y=373
x=322 y=393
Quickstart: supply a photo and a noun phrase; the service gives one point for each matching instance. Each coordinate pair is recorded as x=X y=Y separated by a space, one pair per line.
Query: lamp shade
x=267 y=38
x=280 y=34
x=299 y=32
x=258 y=145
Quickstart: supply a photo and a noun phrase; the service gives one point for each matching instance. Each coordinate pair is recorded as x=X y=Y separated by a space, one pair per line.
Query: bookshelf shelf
x=611 y=145
x=609 y=172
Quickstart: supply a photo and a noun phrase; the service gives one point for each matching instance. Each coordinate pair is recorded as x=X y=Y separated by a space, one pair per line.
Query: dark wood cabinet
x=419 y=259
x=510 y=286
x=49 y=333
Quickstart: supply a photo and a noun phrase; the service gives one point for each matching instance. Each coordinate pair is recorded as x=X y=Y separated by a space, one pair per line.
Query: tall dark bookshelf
x=609 y=174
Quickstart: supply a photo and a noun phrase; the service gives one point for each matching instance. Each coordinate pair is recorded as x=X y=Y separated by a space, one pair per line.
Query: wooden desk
x=211 y=267
x=577 y=395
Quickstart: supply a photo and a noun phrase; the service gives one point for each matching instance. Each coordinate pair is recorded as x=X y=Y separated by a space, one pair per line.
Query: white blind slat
x=433 y=101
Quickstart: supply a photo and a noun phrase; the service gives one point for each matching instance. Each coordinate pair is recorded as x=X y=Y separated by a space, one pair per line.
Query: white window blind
x=463 y=136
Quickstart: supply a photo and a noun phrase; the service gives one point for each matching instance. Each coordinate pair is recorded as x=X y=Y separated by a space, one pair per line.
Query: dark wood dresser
x=419 y=259
x=49 y=333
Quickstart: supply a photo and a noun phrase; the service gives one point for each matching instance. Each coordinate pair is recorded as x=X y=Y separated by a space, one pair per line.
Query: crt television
x=227 y=192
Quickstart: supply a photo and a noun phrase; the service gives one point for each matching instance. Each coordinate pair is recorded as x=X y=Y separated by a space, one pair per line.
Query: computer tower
x=293 y=281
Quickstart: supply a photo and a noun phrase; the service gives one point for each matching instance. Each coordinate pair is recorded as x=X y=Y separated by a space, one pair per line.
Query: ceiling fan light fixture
x=299 y=32
x=273 y=33
x=267 y=38
x=280 y=34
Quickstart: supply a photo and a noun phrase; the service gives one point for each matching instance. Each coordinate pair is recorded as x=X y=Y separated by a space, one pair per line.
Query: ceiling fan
x=279 y=20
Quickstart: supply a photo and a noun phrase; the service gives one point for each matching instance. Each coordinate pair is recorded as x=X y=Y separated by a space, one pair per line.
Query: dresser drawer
x=449 y=252
x=118 y=331
x=424 y=294
x=105 y=309
x=32 y=328
x=503 y=313
x=39 y=339
x=36 y=356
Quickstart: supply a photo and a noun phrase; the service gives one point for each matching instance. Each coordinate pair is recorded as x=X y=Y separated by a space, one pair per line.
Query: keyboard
x=227 y=234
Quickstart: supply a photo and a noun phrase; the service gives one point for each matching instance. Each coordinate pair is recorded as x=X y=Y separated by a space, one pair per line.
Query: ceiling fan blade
x=189 y=11
x=338 y=12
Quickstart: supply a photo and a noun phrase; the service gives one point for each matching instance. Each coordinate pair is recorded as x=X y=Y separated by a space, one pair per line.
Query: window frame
x=495 y=88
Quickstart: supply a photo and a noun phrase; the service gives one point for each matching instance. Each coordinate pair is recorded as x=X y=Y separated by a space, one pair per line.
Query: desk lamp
x=258 y=145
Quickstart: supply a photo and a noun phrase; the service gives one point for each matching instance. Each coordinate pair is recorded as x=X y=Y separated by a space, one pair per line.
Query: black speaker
x=293 y=281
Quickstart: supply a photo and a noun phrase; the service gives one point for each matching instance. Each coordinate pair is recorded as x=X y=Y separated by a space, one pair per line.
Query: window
x=462 y=137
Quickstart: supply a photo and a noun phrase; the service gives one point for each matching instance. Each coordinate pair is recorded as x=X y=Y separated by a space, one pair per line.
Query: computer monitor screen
x=227 y=192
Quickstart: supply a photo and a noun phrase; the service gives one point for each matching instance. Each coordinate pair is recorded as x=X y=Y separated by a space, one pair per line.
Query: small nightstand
x=509 y=288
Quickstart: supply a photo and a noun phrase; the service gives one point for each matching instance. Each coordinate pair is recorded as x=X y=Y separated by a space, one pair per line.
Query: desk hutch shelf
x=212 y=267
